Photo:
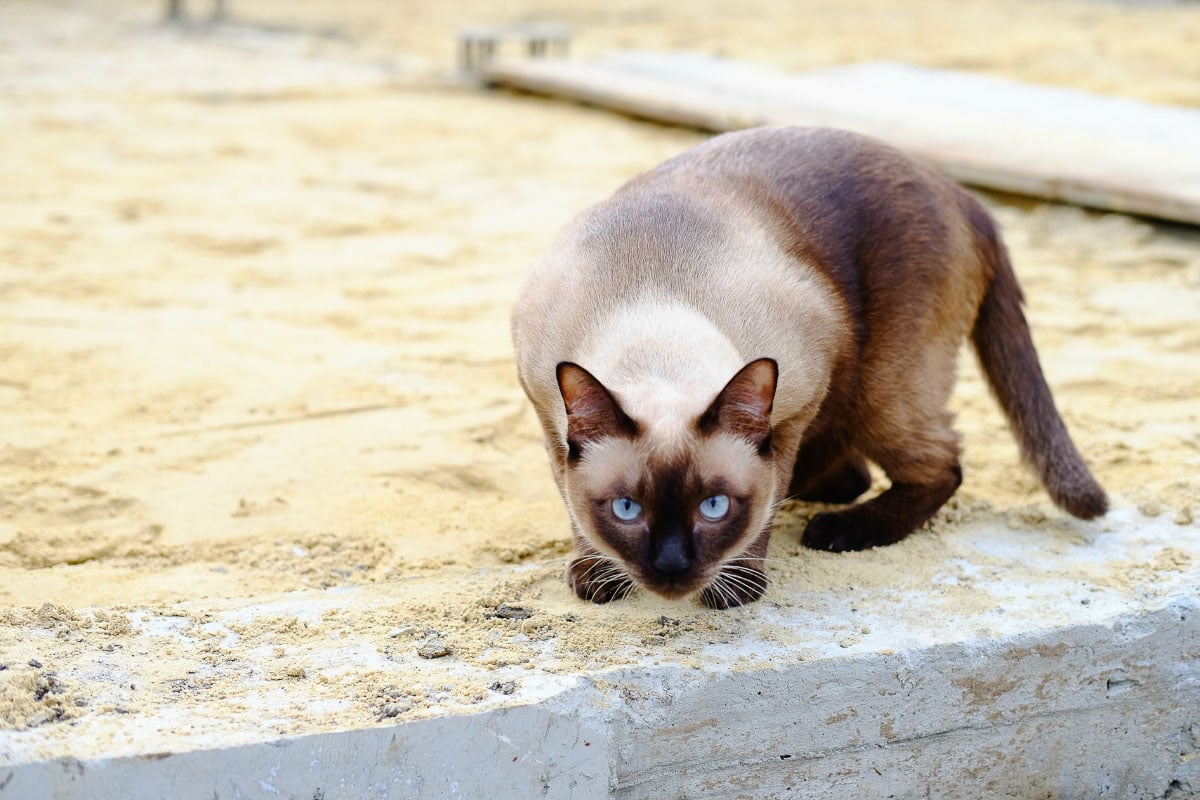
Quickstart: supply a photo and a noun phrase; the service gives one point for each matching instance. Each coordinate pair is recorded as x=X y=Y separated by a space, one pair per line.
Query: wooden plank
x=625 y=91
x=1060 y=144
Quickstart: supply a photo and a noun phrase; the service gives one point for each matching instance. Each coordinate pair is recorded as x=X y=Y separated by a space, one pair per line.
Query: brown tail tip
x=1081 y=498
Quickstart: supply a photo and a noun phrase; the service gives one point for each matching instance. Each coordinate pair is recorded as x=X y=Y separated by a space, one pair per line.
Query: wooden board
x=1060 y=144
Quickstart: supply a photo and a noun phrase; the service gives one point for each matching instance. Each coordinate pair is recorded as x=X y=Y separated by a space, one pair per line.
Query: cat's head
x=670 y=501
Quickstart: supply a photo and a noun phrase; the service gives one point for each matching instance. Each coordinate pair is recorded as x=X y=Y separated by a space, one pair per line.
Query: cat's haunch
x=755 y=320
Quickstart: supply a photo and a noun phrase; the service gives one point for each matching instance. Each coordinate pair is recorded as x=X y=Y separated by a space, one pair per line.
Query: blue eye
x=625 y=509
x=715 y=507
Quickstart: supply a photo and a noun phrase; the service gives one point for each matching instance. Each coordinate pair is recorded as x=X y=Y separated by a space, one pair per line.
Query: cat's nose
x=672 y=560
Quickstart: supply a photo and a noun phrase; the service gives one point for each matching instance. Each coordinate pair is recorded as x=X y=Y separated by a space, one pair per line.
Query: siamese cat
x=755 y=320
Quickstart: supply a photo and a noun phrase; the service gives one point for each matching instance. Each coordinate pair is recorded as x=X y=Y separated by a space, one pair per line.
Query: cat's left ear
x=743 y=407
x=592 y=412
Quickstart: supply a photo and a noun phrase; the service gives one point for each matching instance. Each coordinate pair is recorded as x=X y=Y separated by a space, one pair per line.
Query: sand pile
x=255 y=351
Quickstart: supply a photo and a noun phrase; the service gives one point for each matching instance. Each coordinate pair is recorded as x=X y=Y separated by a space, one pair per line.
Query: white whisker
x=608 y=574
x=605 y=565
x=752 y=574
x=722 y=591
x=775 y=506
x=612 y=576
x=760 y=558
x=731 y=592
x=745 y=576
x=737 y=582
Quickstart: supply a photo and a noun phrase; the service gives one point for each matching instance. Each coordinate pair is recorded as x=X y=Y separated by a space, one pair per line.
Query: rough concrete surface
x=1066 y=689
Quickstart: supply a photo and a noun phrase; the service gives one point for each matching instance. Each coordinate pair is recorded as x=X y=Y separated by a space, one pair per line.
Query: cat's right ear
x=592 y=412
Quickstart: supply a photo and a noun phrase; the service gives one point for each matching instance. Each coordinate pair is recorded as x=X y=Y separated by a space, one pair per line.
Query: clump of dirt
x=32 y=695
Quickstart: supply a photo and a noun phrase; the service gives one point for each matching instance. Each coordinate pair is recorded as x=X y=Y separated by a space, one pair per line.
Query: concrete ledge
x=1086 y=711
x=1065 y=688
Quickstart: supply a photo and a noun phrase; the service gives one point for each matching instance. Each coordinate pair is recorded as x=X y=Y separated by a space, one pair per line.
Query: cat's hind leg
x=924 y=470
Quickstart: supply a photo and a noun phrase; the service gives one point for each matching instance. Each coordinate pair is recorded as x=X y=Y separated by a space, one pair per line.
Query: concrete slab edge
x=1089 y=711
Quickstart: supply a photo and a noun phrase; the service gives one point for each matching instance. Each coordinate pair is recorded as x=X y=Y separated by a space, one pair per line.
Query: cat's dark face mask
x=672 y=508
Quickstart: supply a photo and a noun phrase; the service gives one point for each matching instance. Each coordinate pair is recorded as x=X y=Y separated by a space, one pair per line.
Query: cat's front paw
x=837 y=532
x=597 y=579
x=734 y=587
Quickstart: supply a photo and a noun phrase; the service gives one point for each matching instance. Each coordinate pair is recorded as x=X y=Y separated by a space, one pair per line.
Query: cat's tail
x=1010 y=362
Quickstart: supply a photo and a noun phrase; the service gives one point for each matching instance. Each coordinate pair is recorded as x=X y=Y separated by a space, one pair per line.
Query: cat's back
x=746 y=225
x=825 y=197
x=692 y=229
x=895 y=239
x=829 y=196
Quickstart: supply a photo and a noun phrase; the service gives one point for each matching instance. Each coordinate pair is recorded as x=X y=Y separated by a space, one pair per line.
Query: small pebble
x=507 y=687
x=1184 y=517
x=295 y=671
x=434 y=648
x=1150 y=508
x=394 y=710
x=33 y=662
x=510 y=612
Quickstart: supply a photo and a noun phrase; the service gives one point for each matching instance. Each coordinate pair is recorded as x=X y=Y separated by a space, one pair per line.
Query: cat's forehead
x=626 y=464
x=610 y=462
x=682 y=461
x=732 y=458
x=666 y=413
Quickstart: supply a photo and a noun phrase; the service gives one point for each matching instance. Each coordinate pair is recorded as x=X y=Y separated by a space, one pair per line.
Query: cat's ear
x=592 y=412
x=743 y=407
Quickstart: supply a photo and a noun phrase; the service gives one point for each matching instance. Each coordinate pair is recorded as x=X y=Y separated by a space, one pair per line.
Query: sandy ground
x=254 y=295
